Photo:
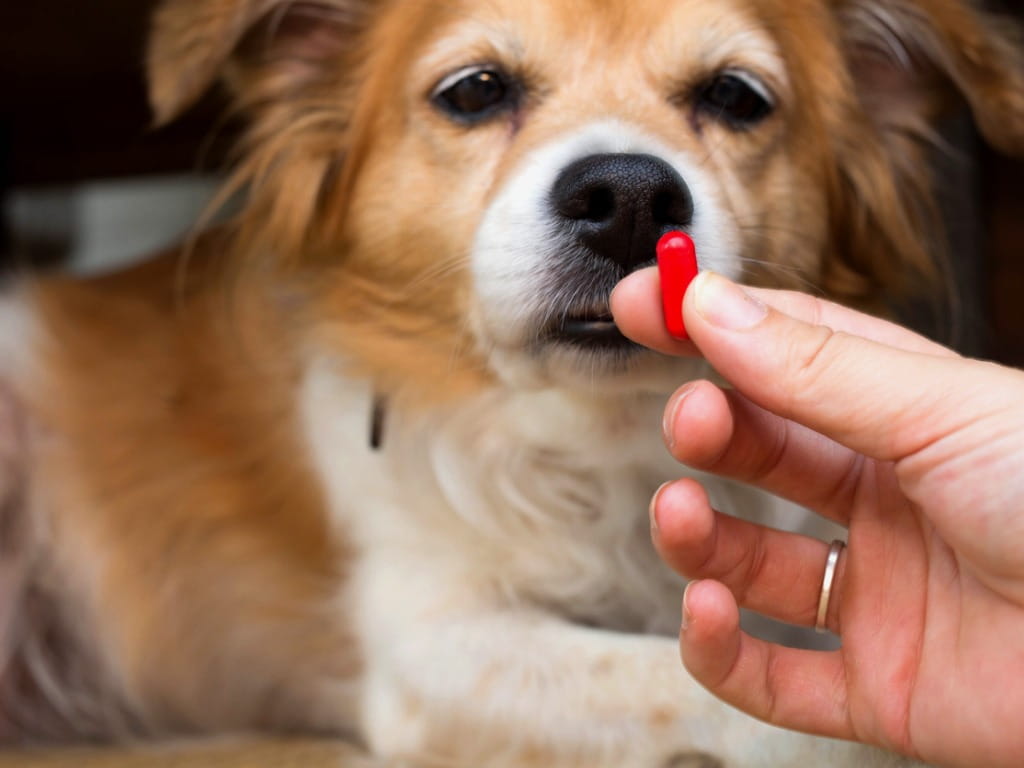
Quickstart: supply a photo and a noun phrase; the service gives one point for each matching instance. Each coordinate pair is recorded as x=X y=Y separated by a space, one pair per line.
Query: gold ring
x=821 y=624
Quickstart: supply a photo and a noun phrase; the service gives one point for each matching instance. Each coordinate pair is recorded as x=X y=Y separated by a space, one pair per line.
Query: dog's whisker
x=439 y=271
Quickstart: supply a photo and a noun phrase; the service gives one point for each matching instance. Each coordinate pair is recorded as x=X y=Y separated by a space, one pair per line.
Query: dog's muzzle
x=612 y=209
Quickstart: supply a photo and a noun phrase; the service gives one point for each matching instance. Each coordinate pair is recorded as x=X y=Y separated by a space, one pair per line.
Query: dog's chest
x=536 y=498
x=567 y=527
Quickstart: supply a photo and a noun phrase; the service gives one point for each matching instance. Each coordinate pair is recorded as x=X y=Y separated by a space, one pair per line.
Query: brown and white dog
x=196 y=534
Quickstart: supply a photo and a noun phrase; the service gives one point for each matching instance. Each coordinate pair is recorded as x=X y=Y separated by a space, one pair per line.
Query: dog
x=371 y=459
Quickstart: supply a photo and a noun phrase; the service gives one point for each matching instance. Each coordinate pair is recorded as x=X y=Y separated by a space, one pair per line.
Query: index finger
x=884 y=401
x=636 y=306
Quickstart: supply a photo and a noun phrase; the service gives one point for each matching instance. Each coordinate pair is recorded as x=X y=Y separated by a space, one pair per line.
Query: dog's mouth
x=593 y=329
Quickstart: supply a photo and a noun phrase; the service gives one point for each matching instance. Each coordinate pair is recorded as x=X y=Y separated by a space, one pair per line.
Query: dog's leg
x=525 y=689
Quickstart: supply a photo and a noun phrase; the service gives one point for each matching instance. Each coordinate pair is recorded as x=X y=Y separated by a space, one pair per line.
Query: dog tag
x=677 y=266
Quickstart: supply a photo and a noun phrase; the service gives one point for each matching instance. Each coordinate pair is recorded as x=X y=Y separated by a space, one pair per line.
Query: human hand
x=918 y=452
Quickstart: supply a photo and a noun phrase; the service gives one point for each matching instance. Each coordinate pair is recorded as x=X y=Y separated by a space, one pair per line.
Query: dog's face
x=542 y=150
x=474 y=178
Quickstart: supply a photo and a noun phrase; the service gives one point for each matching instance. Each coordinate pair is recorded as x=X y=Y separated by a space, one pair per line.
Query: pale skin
x=918 y=452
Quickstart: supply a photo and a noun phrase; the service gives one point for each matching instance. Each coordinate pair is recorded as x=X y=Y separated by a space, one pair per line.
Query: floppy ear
x=910 y=56
x=192 y=43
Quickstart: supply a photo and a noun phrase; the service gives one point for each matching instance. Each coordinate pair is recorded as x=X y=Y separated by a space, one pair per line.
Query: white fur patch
x=519 y=237
x=504 y=581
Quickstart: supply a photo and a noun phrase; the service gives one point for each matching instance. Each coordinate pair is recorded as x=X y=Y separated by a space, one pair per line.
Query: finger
x=799 y=690
x=724 y=433
x=636 y=306
x=772 y=572
x=817 y=311
x=876 y=399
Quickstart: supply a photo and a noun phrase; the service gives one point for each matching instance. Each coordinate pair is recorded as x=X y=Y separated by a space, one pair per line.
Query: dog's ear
x=910 y=63
x=193 y=43
x=909 y=56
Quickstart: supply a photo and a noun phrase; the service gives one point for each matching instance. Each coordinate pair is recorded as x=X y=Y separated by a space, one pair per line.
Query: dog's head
x=458 y=185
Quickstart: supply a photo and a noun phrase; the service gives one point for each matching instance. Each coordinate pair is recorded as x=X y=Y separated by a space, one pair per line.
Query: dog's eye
x=736 y=99
x=472 y=95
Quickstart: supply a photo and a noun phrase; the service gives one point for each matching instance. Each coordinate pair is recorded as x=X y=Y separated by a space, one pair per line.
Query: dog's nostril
x=671 y=209
x=601 y=204
x=590 y=202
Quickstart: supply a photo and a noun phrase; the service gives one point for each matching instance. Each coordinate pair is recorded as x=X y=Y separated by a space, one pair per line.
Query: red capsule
x=677 y=265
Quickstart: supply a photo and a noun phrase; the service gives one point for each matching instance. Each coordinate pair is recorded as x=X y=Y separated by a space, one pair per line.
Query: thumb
x=884 y=402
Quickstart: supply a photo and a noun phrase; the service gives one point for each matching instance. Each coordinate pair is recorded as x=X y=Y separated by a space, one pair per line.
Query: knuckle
x=746 y=571
x=774 y=452
x=810 y=362
x=771 y=705
x=757 y=564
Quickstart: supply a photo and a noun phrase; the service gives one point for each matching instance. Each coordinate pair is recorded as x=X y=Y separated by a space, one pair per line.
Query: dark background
x=74 y=109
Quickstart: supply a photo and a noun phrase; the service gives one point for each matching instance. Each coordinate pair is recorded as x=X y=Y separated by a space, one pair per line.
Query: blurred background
x=86 y=182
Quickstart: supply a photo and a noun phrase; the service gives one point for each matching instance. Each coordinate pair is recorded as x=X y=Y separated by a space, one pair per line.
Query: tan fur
x=178 y=513
x=172 y=464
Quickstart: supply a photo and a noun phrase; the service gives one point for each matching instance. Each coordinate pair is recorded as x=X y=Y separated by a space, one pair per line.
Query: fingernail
x=672 y=411
x=652 y=510
x=724 y=304
x=687 y=613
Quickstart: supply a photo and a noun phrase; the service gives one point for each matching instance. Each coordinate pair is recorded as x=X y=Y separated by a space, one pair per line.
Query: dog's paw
x=692 y=760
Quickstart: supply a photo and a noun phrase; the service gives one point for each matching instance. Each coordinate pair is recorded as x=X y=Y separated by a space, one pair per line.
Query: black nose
x=619 y=205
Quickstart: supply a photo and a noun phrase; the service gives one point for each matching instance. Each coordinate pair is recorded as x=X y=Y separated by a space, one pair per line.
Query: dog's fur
x=197 y=536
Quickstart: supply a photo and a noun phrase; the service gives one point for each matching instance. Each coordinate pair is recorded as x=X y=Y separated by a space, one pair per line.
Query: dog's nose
x=619 y=205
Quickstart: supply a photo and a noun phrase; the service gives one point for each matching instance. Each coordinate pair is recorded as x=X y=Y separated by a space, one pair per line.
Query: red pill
x=677 y=265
